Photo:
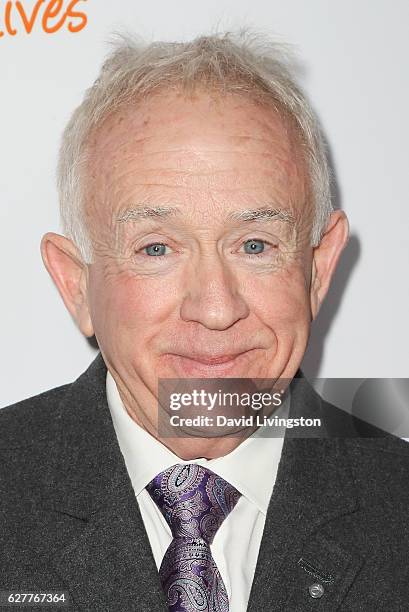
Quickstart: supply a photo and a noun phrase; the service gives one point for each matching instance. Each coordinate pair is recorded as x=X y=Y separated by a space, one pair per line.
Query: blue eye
x=155 y=249
x=254 y=246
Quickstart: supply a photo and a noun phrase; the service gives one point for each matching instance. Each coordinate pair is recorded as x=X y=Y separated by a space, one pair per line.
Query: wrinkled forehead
x=191 y=151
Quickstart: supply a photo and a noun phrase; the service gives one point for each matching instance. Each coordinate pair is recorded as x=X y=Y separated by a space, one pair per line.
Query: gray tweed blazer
x=338 y=515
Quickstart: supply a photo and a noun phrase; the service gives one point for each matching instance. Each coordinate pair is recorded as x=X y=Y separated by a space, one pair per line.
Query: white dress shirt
x=251 y=467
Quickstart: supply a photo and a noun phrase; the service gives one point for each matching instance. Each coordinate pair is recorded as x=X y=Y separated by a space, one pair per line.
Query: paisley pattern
x=195 y=502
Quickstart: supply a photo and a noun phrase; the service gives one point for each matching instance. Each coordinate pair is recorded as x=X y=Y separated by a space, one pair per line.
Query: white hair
x=240 y=63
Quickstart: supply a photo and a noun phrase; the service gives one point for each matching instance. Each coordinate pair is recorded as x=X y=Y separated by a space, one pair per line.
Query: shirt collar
x=251 y=467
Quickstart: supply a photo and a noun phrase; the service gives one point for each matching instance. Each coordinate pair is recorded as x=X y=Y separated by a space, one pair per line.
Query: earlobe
x=325 y=258
x=65 y=266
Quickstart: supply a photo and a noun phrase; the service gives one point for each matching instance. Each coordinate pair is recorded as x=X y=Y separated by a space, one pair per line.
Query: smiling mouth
x=205 y=365
x=213 y=360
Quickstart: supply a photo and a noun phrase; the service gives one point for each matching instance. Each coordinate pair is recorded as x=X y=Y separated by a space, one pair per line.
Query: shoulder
x=29 y=420
x=378 y=460
x=34 y=420
x=363 y=437
x=380 y=468
x=27 y=430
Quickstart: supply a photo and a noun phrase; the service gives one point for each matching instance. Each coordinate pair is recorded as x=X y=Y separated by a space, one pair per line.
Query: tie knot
x=194 y=500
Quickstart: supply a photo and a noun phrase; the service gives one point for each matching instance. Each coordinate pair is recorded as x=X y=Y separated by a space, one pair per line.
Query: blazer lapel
x=109 y=566
x=313 y=487
x=104 y=556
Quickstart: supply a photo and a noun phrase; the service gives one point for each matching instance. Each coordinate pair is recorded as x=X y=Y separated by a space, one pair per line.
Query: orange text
x=49 y=16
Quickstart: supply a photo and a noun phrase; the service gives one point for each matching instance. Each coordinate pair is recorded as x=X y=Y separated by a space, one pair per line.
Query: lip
x=206 y=366
x=213 y=360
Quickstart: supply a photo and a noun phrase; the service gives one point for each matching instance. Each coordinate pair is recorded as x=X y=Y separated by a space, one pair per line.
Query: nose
x=212 y=296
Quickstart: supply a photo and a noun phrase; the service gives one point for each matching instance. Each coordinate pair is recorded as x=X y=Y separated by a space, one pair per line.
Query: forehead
x=171 y=147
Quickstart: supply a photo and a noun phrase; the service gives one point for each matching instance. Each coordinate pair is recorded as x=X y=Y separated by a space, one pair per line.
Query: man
x=199 y=243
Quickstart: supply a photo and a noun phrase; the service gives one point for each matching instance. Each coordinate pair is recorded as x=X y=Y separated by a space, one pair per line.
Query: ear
x=70 y=274
x=325 y=258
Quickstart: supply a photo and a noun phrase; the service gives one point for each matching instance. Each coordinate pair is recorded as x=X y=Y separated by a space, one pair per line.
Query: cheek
x=281 y=302
x=126 y=303
x=139 y=304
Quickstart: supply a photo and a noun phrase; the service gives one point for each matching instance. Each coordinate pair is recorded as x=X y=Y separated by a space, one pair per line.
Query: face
x=199 y=215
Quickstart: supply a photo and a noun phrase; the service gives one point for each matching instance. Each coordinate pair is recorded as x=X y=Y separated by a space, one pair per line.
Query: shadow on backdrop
x=314 y=354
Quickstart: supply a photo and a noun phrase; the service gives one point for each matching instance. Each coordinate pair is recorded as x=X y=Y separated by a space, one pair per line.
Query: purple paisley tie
x=194 y=502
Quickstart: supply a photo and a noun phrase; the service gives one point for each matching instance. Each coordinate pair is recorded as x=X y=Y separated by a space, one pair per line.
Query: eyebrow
x=263 y=213
x=147 y=212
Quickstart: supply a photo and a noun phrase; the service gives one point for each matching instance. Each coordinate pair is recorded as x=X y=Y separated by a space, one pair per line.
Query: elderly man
x=199 y=244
